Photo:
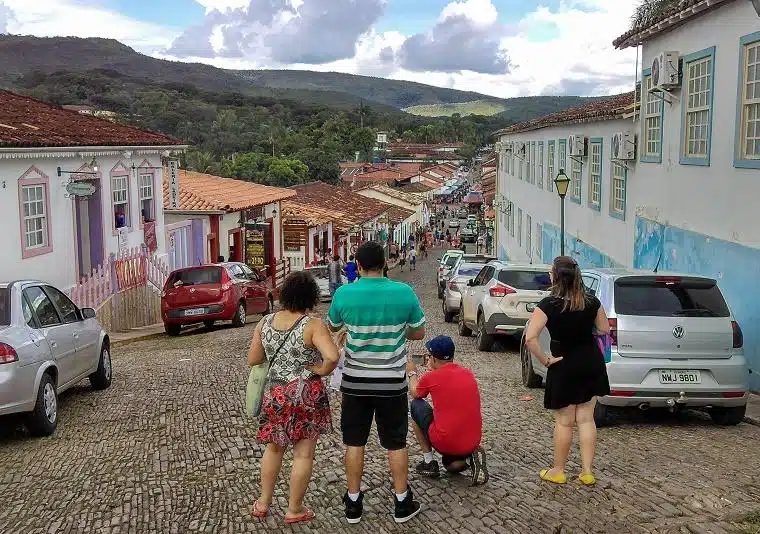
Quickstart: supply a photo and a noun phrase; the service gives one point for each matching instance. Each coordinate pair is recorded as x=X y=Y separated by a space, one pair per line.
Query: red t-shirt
x=457 y=422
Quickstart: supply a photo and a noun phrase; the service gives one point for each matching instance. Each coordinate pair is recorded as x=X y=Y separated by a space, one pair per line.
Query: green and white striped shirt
x=376 y=313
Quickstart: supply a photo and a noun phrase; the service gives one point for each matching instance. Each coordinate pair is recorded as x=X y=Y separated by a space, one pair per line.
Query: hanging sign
x=254 y=249
x=173 y=184
x=80 y=189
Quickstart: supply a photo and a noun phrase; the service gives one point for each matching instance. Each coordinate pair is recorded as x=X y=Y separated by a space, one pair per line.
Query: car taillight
x=732 y=394
x=620 y=393
x=738 y=335
x=440 y=269
x=501 y=291
x=668 y=280
x=453 y=285
x=7 y=354
x=613 y=331
x=226 y=281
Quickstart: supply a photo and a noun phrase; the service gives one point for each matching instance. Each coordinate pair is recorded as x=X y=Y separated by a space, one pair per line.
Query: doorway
x=88 y=213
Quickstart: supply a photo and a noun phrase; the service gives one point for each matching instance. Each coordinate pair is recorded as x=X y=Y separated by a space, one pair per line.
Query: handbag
x=258 y=376
x=604 y=342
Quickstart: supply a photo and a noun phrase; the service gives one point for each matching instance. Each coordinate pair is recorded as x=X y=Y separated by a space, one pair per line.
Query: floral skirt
x=287 y=417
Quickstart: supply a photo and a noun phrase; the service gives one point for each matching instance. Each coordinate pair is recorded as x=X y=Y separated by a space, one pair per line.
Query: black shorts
x=422 y=415
x=390 y=413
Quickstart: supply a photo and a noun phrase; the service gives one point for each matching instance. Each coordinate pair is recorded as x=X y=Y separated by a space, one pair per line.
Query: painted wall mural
x=731 y=264
x=586 y=255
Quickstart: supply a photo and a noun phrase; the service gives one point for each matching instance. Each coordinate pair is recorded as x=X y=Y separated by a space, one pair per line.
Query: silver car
x=47 y=345
x=675 y=344
x=448 y=261
x=500 y=300
x=452 y=294
x=323 y=280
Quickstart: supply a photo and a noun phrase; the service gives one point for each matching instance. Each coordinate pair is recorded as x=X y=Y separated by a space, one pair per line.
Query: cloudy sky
x=504 y=48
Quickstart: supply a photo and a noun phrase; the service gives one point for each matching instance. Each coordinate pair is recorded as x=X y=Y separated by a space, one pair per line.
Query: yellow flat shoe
x=587 y=480
x=554 y=479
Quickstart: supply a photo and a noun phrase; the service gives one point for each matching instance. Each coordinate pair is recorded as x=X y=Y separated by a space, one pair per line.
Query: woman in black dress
x=576 y=374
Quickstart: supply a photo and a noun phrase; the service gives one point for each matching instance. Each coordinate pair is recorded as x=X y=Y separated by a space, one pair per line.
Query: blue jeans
x=334 y=287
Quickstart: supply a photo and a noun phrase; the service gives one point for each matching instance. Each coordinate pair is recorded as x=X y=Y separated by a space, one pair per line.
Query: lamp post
x=562 y=182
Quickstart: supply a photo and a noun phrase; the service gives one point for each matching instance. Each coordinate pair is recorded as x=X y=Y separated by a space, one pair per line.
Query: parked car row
x=674 y=342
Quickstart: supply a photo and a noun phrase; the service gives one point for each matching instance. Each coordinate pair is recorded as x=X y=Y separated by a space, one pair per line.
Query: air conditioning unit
x=665 y=70
x=623 y=146
x=577 y=145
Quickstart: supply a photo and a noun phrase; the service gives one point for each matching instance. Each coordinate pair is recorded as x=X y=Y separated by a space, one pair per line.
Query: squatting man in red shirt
x=453 y=425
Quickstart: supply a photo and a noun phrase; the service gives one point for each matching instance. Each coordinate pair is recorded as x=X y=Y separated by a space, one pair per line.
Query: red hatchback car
x=210 y=293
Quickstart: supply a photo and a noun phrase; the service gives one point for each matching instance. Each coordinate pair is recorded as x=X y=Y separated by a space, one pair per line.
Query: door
x=478 y=291
x=244 y=286
x=59 y=336
x=257 y=288
x=469 y=295
x=180 y=246
x=89 y=225
x=86 y=333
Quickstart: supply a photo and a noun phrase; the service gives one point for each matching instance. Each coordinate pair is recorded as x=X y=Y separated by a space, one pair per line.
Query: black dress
x=582 y=373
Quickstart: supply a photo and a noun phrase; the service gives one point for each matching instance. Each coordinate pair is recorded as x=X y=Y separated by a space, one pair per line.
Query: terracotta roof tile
x=26 y=122
x=403 y=196
x=416 y=187
x=204 y=192
x=358 y=209
x=598 y=110
x=397 y=214
x=313 y=215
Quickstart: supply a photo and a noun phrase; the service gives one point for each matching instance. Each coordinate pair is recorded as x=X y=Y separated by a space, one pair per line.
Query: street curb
x=122 y=342
x=754 y=421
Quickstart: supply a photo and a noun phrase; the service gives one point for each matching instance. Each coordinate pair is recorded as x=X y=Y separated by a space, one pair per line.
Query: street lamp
x=562 y=182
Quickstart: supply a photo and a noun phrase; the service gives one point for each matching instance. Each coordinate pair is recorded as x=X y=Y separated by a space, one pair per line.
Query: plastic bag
x=254 y=393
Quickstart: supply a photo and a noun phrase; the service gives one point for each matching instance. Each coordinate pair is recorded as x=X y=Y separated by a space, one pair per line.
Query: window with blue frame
x=576 y=177
x=562 y=163
x=595 y=173
x=697 y=103
x=550 y=166
x=651 y=125
x=748 y=104
x=540 y=161
x=618 y=185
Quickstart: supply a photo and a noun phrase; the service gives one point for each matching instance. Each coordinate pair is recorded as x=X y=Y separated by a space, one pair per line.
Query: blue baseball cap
x=441 y=347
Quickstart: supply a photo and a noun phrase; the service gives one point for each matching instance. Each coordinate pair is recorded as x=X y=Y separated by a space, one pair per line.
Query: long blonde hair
x=568 y=284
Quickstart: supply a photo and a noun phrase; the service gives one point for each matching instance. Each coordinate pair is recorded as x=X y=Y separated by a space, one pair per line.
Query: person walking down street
x=402 y=259
x=296 y=409
x=352 y=271
x=453 y=426
x=413 y=259
x=577 y=373
x=379 y=315
x=334 y=275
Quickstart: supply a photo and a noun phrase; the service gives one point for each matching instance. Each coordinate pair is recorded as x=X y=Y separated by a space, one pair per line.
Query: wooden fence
x=125 y=292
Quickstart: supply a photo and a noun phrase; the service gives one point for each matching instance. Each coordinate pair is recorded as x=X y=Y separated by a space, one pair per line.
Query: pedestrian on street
x=380 y=315
x=402 y=260
x=576 y=374
x=412 y=259
x=352 y=271
x=334 y=275
x=295 y=410
x=453 y=425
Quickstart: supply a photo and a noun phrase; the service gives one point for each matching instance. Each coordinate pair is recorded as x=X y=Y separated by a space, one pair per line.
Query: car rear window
x=192 y=277
x=469 y=270
x=451 y=260
x=657 y=297
x=5 y=306
x=478 y=259
x=527 y=280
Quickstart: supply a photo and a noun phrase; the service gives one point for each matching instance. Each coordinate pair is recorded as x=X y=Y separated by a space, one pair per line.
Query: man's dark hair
x=371 y=256
x=336 y=258
x=351 y=257
x=300 y=292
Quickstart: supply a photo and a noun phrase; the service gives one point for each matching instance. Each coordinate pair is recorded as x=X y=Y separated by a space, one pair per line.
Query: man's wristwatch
x=413 y=373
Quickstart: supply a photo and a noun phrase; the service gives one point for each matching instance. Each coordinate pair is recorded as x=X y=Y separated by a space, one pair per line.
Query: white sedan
x=323 y=280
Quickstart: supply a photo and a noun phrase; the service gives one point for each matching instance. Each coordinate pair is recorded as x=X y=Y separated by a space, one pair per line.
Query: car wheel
x=728 y=416
x=101 y=378
x=240 y=316
x=463 y=330
x=440 y=292
x=485 y=340
x=270 y=305
x=172 y=329
x=447 y=315
x=601 y=414
x=529 y=377
x=43 y=420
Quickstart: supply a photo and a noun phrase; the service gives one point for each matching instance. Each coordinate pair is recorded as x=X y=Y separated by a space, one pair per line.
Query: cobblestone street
x=168 y=449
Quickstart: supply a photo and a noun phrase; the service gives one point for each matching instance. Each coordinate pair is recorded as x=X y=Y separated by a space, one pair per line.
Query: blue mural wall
x=584 y=254
x=730 y=263
x=503 y=256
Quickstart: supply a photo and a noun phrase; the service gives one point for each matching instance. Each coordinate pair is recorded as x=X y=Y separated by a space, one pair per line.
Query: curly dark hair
x=300 y=292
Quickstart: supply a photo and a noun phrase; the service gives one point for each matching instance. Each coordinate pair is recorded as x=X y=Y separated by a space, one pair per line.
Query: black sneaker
x=354 y=508
x=406 y=509
x=479 y=468
x=429 y=469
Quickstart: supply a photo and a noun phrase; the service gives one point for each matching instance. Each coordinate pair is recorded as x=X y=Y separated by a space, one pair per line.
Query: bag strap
x=285 y=339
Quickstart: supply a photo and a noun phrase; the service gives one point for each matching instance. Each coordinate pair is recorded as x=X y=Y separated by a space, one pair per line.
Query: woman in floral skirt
x=295 y=409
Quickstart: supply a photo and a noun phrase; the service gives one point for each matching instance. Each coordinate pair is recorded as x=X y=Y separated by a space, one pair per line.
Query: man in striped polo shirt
x=379 y=316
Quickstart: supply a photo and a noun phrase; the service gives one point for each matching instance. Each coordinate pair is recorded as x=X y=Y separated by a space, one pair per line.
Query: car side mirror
x=471 y=283
x=88 y=313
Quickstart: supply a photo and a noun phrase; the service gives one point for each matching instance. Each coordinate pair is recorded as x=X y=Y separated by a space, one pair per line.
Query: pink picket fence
x=94 y=289
x=281 y=271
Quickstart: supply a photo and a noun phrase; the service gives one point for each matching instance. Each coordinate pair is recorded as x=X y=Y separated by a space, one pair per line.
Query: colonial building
x=662 y=178
x=75 y=189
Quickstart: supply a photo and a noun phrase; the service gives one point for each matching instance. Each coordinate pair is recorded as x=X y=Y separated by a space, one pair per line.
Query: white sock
x=354 y=496
x=402 y=496
x=428 y=457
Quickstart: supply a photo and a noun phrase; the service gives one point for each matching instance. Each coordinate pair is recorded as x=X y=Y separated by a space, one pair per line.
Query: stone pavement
x=168 y=450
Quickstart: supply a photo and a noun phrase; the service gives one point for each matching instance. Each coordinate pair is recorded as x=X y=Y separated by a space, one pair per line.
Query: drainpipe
x=635 y=83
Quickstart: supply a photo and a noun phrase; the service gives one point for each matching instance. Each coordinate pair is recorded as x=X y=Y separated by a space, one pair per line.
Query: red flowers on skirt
x=287 y=417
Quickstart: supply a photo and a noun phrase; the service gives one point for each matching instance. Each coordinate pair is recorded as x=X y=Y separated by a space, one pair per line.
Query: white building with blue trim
x=667 y=177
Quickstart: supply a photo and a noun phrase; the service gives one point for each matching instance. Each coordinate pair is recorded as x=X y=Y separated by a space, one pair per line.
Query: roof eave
x=621 y=115
x=669 y=23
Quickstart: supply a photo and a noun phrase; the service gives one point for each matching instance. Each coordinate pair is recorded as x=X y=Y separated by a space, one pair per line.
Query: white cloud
x=482 y=12
x=223 y=5
x=47 y=18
